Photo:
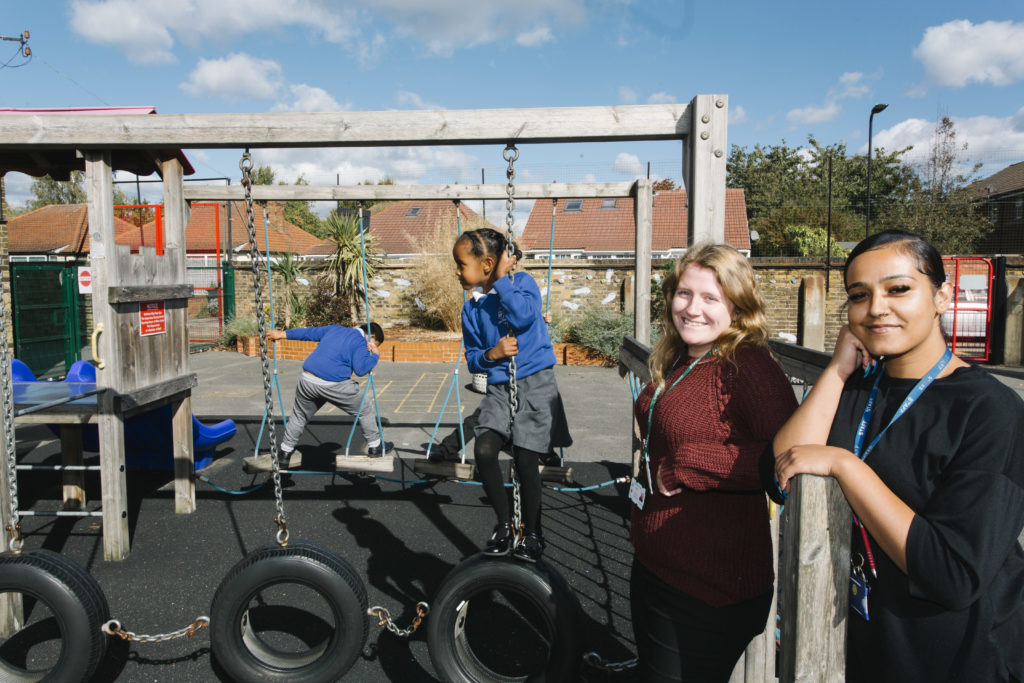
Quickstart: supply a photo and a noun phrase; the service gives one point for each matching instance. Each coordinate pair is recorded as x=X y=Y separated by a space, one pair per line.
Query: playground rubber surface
x=401 y=535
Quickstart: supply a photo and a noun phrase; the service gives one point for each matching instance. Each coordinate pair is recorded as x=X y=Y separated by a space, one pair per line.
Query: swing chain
x=510 y=155
x=113 y=628
x=245 y=165
x=383 y=617
x=594 y=660
x=6 y=379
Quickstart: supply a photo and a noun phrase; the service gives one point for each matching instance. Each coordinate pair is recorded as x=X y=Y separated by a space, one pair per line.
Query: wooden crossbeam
x=287 y=193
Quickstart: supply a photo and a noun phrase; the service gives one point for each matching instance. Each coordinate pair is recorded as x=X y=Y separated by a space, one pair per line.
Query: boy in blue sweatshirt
x=327 y=378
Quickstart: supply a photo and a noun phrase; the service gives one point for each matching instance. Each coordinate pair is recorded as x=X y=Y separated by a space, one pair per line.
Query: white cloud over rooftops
x=811 y=115
x=628 y=164
x=236 y=76
x=960 y=52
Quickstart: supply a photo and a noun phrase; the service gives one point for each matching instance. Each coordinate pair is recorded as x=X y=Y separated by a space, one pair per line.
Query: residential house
x=1002 y=195
x=598 y=228
x=401 y=230
x=58 y=232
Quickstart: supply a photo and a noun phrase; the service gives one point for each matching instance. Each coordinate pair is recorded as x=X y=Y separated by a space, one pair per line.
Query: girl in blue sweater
x=502 y=319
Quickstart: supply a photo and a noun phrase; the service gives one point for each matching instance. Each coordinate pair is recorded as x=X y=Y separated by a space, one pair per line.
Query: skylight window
x=413 y=212
x=573 y=205
x=609 y=203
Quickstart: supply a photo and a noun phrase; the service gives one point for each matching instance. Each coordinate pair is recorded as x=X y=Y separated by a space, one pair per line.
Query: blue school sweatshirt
x=520 y=303
x=340 y=352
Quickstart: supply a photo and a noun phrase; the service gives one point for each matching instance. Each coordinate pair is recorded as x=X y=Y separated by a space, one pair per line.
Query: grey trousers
x=310 y=396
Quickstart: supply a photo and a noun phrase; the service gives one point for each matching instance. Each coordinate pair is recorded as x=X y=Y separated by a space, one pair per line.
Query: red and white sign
x=152 y=319
x=84 y=280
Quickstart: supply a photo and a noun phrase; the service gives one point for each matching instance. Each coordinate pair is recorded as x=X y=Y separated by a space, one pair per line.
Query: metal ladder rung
x=60 y=513
x=70 y=468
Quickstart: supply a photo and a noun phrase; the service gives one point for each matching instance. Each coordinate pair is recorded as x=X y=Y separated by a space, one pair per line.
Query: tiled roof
x=1010 y=179
x=597 y=229
x=395 y=231
x=58 y=228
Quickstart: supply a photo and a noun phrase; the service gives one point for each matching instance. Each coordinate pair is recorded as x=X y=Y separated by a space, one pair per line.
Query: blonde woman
x=702 y=577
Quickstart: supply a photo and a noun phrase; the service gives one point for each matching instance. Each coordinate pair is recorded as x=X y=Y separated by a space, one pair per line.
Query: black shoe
x=500 y=541
x=551 y=459
x=442 y=454
x=380 y=450
x=530 y=548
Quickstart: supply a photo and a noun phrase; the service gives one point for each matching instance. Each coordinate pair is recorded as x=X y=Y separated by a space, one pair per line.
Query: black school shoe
x=530 y=548
x=380 y=449
x=500 y=541
x=442 y=454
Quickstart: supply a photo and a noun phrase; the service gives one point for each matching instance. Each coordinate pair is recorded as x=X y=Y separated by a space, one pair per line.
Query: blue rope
x=277 y=383
x=551 y=255
x=233 y=493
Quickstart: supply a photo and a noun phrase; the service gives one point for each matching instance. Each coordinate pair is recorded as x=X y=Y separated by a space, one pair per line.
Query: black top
x=957 y=459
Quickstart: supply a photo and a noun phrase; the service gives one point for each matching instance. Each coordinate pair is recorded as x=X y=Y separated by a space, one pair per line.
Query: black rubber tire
x=546 y=594
x=241 y=652
x=79 y=611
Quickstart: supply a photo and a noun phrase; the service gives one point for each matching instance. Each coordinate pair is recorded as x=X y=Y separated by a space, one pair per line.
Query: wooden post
x=1013 y=349
x=99 y=195
x=175 y=220
x=704 y=157
x=814 y=577
x=71 y=454
x=642 y=208
x=812 y=313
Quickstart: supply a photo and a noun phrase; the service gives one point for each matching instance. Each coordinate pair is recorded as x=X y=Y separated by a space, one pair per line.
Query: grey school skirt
x=540 y=423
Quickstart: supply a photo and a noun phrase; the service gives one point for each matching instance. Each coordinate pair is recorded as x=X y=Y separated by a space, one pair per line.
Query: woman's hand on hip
x=661 y=485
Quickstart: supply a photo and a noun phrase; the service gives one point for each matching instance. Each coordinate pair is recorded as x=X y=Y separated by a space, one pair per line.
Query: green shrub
x=235 y=328
x=558 y=328
x=601 y=331
x=323 y=307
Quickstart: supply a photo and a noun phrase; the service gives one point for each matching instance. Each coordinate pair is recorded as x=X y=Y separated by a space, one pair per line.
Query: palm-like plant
x=290 y=269
x=345 y=264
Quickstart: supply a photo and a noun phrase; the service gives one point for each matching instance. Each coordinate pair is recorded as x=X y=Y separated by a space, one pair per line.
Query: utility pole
x=25 y=50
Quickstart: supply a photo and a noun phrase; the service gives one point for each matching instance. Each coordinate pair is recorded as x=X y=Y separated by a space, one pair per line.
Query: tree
x=939 y=206
x=291 y=271
x=345 y=264
x=300 y=213
x=369 y=202
x=46 y=191
x=664 y=185
x=135 y=216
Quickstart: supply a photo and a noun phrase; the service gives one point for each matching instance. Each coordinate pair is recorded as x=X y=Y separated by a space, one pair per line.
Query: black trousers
x=681 y=638
x=488 y=445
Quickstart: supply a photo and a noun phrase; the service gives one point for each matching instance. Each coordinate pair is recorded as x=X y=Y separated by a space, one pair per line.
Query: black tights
x=488 y=445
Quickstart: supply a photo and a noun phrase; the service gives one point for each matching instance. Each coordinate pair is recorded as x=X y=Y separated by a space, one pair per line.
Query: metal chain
x=384 y=619
x=594 y=660
x=113 y=628
x=254 y=257
x=510 y=155
x=14 y=525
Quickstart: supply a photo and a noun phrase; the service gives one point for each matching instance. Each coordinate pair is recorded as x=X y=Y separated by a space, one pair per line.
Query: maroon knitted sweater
x=711 y=540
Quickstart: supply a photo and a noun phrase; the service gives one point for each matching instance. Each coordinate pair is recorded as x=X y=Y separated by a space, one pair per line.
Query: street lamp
x=871 y=119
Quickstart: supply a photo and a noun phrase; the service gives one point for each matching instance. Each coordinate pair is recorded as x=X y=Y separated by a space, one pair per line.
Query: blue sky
x=790 y=69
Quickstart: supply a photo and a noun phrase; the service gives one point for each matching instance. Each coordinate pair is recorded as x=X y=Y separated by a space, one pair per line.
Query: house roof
x=1010 y=179
x=398 y=228
x=58 y=163
x=59 y=229
x=597 y=229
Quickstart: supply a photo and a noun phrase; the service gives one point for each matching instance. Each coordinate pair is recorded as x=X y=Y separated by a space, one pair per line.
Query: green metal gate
x=48 y=329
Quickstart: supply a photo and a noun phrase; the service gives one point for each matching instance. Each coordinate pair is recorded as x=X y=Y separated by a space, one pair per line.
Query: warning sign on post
x=152 y=319
x=84 y=280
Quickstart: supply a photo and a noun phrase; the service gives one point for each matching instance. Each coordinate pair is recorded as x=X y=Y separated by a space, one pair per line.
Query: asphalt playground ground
x=401 y=535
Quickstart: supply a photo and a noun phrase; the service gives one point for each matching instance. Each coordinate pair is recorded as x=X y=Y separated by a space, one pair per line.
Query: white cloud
x=411 y=100
x=146 y=30
x=307 y=98
x=851 y=86
x=627 y=95
x=661 y=98
x=737 y=115
x=628 y=164
x=959 y=52
x=811 y=115
x=536 y=37
x=235 y=76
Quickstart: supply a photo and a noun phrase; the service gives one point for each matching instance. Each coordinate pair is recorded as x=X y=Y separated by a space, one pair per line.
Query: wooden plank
x=146 y=395
x=12 y=612
x=633 y=358
x=557 y=474
x=814 y=574
x=799 y=362
x=348 y=129
x=73 y=481
x=184 y=458
x=643 y=208
x=254 y=464
x=447 y=470
x=280 y=193
x=706 y=153
x=364 y=463
x=135 y=293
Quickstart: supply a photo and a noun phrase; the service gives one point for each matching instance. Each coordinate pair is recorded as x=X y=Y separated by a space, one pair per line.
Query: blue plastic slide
x=147 y=437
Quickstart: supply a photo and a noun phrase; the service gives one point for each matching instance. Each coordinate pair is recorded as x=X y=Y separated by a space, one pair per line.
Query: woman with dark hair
x=701 y=584
x=929 y=454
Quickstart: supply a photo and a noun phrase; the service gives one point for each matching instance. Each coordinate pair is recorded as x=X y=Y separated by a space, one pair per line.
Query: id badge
x=859 y=590
x=637 y=493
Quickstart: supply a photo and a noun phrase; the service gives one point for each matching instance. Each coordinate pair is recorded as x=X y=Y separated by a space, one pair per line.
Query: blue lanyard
x=650 y=409
x=869 y=408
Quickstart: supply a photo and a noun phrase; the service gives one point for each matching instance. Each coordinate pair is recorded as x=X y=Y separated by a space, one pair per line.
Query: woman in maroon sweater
x=702 y=579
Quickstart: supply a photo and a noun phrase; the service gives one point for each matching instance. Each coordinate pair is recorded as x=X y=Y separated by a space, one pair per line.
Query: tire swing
x=54 y=610
x=499 y=619
x=257 y=633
